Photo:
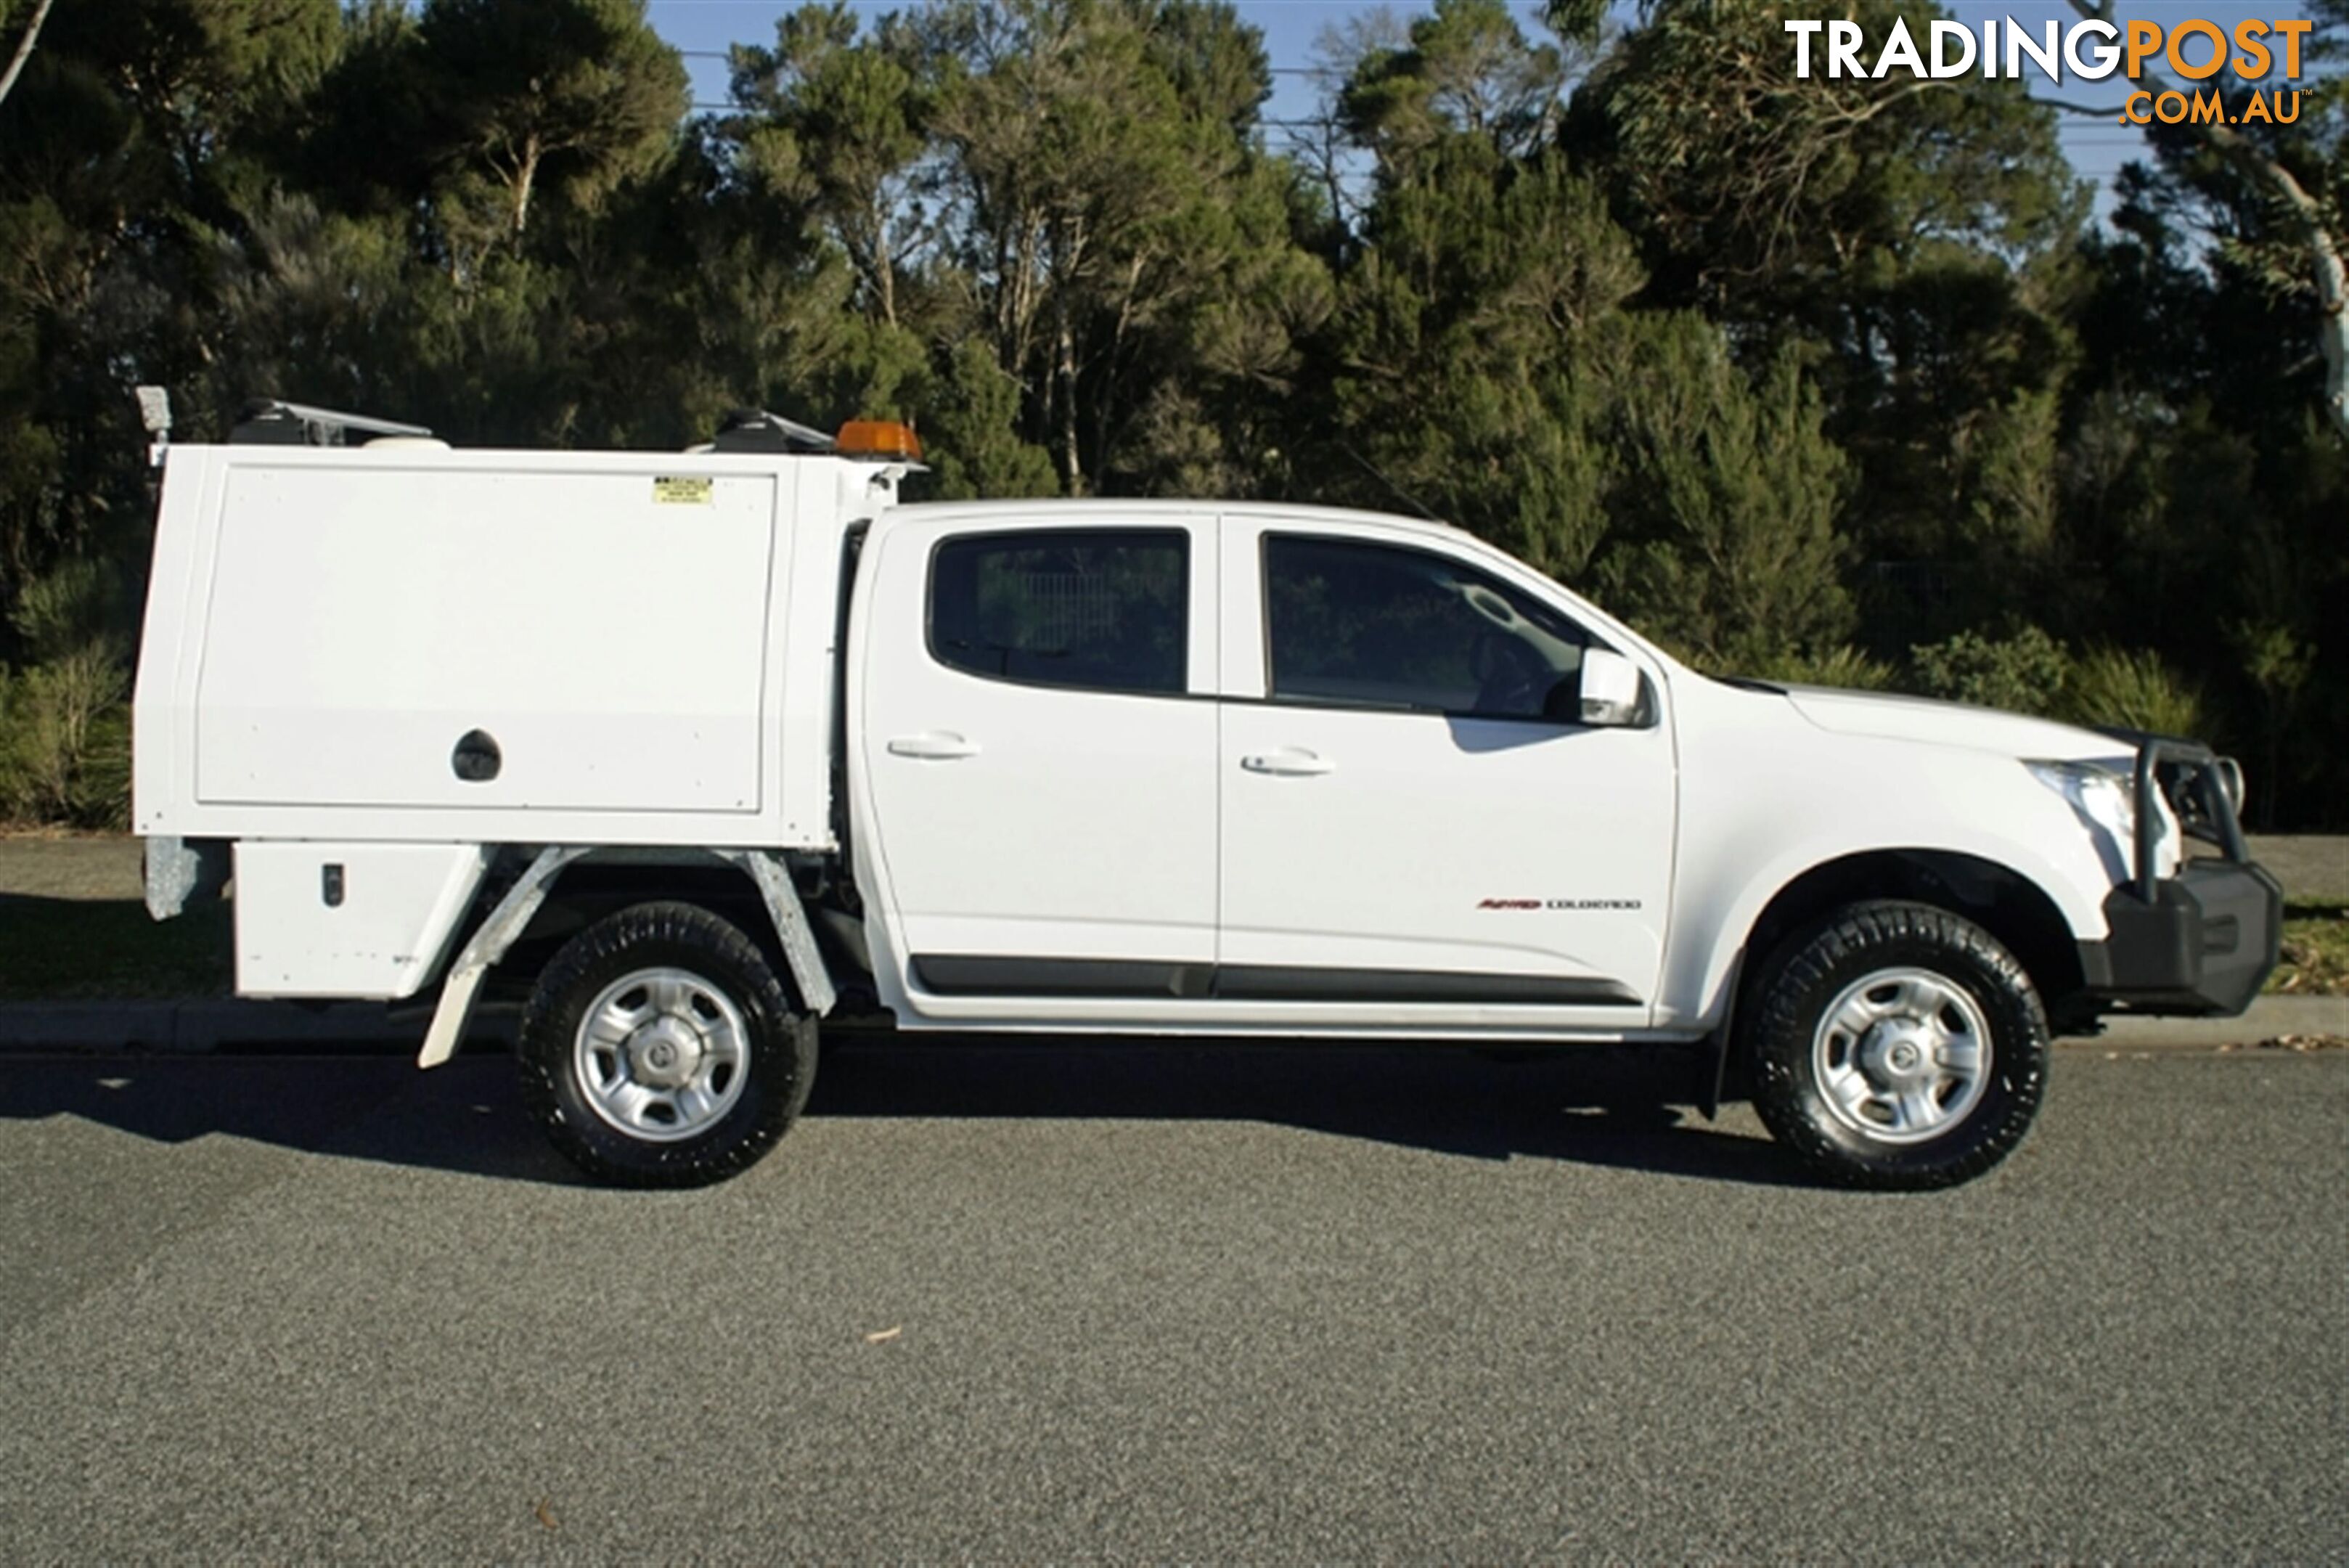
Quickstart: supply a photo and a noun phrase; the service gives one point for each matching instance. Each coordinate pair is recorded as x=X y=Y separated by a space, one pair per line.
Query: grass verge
x=2315 y=950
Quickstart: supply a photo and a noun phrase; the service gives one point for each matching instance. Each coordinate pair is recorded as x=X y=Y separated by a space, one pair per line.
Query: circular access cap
x=477 y=758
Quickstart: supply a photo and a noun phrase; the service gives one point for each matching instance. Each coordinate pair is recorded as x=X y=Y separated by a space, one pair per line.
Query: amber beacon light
x=878 y=437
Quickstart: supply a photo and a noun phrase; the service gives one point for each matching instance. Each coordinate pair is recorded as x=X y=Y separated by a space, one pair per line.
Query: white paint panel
x=1078 y=823
x=400 y=903
x=362 y=620
x=1448 y=845
x=1474 y=846
x=1768 y=795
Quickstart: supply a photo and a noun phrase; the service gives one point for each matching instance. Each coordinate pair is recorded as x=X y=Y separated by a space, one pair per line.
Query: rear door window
x=1097 y=609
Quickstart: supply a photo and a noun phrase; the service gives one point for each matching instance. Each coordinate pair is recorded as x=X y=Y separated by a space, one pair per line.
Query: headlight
x=2098 y=794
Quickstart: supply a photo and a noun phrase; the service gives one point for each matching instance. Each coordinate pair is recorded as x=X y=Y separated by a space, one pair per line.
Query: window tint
x=1379 y=625
x=1106 y=610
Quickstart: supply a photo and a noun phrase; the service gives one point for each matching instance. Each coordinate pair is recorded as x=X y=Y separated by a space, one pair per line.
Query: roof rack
x=272 y=422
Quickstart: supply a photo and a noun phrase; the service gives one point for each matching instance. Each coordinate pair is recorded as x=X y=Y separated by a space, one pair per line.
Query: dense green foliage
x=1827 y=381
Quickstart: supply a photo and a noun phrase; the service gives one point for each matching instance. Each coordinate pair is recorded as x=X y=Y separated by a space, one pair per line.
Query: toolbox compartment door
x=418 y=637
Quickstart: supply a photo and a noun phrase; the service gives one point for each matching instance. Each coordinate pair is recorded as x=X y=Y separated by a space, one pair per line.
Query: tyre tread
x=1782 y=1025
x=784 y=1039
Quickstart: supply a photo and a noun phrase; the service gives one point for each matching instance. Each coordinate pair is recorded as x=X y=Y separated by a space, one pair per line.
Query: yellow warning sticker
x=672 y=490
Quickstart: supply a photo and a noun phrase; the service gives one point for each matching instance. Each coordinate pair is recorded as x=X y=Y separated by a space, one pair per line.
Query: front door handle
x=935 y=746
x=1289 y=762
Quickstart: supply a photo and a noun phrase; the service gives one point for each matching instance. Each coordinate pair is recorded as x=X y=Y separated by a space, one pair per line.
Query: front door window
x=1352 y=624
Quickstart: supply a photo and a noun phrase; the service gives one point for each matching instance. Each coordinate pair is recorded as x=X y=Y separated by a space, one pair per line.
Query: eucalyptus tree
x=1106 y=207
x=24 y=50
x=2301 y=177
x=1914 y=240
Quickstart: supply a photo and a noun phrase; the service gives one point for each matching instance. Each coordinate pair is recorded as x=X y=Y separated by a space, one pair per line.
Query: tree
x=1480 y=296
x=1753 y=186
x=1475 y=345
x=2203 y=490
x=1728 y=545
x=1466 y=68
x=975 y=434
x=123 y=148
x=841 y=122
x=1093 y=207
x=2307 y=186
x=570 y=93
x=1913 y=241
x=23 y=48
x=1773 y=365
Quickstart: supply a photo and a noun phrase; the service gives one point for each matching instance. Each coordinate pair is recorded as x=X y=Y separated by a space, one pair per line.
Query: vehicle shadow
x=1621 y=1106
x=1593 y=1106
x=465 y=1117
x=62 y=947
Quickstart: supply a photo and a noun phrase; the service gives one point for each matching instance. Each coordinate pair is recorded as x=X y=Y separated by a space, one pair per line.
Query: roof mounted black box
x=755 y=429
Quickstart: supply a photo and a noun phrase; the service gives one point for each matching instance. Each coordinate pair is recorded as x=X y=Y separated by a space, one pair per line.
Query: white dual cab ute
x=688 y=748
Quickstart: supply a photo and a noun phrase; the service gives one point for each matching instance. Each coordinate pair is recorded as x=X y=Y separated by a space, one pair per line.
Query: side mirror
x=1612 y=690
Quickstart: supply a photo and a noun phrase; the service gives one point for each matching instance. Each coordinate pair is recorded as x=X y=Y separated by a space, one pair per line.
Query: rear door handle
x=936 y=745
x=1289 y=762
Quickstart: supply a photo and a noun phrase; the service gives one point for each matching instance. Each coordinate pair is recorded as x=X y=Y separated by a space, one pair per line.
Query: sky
x=2098 y=146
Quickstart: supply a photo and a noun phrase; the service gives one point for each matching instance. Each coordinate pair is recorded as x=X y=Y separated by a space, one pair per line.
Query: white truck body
x=649 y=639
x=381 y=674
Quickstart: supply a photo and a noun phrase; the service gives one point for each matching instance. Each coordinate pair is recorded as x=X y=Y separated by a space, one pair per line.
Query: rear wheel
x=1897 y=1045
x=660 y=1049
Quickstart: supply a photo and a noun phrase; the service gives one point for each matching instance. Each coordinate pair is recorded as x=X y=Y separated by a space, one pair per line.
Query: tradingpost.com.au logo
x=2193 y=50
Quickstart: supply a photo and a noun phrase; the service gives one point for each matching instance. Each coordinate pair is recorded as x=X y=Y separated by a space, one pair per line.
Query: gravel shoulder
x=39 y=866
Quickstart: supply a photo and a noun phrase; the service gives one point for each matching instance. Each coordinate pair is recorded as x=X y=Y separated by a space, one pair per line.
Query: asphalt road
x=1220 y=1304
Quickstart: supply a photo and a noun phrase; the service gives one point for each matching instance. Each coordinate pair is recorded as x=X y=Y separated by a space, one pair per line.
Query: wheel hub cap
x=1896 y=1054
x=1902 y=1056
x=661 y=1054
x=664 y=1055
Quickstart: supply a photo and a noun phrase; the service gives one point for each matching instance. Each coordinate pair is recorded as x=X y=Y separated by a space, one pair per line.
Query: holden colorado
x=693 y=750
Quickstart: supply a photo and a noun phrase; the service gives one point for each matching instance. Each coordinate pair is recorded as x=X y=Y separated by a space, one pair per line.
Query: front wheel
x=659 y=1049
x=1897 y=1045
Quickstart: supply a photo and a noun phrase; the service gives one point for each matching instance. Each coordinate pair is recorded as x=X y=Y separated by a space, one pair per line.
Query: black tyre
x=659 y=1049
x=1896 y=1045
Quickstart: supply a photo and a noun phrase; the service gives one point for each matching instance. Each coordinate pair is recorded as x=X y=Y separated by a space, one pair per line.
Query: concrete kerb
x=2270 y=1018
x=196 y=1027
